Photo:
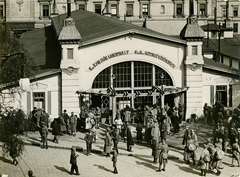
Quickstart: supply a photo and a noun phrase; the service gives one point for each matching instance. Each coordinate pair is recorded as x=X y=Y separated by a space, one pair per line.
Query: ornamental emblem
x=194 y=66
x=19 y=3
x=70 y=70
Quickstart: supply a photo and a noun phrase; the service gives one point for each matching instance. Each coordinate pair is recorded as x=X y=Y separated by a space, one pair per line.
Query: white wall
x=170 y=51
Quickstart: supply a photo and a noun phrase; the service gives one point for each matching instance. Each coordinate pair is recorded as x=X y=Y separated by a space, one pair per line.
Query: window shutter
x=230 y=96
x=49 y=102
x=212 y=94
x=29 y=103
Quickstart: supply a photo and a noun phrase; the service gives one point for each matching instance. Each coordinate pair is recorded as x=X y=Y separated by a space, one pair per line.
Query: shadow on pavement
x=63 y=169
x=146 y=164
x=188 y=170
x=5 y=160
x=228 y=164
x=143 y=159
x=102 y=168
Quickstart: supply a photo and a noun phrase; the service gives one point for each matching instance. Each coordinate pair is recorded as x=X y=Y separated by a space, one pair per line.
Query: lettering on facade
x=155 y=55
x=105 y=58
x=126 y=52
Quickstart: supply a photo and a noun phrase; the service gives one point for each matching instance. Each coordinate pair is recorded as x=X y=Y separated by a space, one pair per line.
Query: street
x=54 y=161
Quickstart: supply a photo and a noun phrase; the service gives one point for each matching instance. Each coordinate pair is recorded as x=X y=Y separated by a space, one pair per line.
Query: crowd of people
x=153 y=127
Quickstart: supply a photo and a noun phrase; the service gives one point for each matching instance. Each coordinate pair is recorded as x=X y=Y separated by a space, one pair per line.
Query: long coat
x=73 y=123
x=204 y=156
x=155 y=148
x=130 y=141
x=108 y=144
x=56 y=126
x=62 y=124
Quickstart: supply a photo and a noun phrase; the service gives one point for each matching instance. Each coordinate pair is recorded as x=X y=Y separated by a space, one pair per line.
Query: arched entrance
x=127 y=79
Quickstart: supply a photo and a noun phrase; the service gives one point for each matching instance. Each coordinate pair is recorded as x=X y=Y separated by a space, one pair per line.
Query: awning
x=167 y=91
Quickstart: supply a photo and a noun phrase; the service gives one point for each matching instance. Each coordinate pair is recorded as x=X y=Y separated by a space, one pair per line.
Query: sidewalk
x=54 y=161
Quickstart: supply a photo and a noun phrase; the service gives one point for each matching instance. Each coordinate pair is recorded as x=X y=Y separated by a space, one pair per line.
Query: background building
x=24 y=15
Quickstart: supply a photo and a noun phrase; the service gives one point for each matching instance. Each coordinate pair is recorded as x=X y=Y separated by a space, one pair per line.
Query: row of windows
x=144 y=11
x=234 y=11
x=123 y=78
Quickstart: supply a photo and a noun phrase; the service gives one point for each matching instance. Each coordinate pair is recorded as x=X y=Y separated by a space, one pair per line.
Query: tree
x=13 y=59
x=13 y=126
x=13 y=122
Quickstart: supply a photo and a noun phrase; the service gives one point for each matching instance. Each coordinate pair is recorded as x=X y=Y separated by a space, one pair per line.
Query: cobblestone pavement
x=54 y=161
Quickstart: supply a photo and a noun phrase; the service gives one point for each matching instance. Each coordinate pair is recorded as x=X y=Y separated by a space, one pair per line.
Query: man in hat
x=73 y=161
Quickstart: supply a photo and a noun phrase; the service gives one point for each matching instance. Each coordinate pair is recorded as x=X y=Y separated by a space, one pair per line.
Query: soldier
x=204 y=159
x=89 y=139
x=163 y=156
x=44 y=134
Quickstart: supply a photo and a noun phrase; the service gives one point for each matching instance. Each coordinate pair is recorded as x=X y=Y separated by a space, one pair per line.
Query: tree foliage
x=13 y=58
x=13 y=126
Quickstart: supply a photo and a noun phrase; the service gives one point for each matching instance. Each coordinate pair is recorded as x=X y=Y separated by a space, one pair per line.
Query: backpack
x=191 y=146
x=206 y=158
x=219 y=154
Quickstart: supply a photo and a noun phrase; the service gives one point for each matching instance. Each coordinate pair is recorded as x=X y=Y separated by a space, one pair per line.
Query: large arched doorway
x=130 y=77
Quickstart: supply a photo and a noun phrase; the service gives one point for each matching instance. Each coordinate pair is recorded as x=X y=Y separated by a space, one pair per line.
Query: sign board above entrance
x=127 y=52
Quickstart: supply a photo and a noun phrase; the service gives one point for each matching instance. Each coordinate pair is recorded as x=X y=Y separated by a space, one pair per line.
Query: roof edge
x=133 y=31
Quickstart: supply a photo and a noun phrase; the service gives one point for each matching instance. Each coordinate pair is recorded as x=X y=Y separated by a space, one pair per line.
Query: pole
x=219 y=37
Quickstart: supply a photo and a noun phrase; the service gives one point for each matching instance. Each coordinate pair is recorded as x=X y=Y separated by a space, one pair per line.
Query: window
x=235 y=11
x=113 y=10
x=1 y=12
x=39 y=100
x=145 y=9
x=179 y=10
x=235 y=27
x=98 y=8
x=64 y=9
x=69 y=53
x=221 y=94
x=129 y=12
x=194 y=50
x=81 y=6
x=202 y=10
x=162 y=9
x=224 y=12
x=45 y=11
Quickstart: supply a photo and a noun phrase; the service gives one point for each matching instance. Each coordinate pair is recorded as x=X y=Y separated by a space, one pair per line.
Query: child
x=114 y=160
x=73 y=161
x=163 y=156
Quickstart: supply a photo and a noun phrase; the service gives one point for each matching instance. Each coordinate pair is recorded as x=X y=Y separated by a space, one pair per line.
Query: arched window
x=162 y=9
x=64 y=9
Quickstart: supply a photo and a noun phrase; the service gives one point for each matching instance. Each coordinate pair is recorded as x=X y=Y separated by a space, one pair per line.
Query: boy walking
x=73 y=161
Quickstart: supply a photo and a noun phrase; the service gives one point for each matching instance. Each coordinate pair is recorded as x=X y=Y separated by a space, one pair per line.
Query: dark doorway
x=96 y=101
x=169 y=99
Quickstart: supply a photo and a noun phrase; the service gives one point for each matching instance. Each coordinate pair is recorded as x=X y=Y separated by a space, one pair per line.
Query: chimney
x=68 y=8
